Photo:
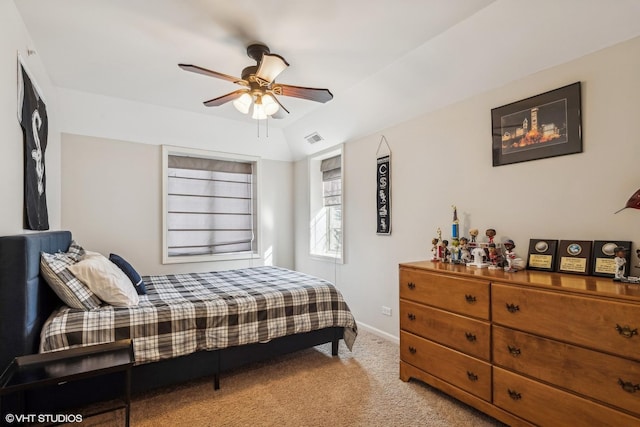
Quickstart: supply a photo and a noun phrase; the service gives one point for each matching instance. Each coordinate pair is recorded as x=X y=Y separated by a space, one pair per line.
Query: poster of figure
x=32 y=115
x=383 y=188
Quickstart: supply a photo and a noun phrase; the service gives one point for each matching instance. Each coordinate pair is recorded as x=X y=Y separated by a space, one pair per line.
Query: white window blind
x=331 y=181
x=210 y=206
x=332 y=202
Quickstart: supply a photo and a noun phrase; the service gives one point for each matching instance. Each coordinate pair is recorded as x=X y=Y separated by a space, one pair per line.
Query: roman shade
x=332 y=180
x=209 y=206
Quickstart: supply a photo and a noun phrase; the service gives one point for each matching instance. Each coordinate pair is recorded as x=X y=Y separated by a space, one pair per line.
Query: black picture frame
x=542 y=126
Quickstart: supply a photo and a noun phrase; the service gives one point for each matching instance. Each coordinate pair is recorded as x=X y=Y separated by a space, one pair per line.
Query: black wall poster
x=383 y=188
x=32 y=115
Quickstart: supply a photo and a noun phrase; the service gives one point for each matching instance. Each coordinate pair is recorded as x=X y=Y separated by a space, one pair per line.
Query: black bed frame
x=26 y=301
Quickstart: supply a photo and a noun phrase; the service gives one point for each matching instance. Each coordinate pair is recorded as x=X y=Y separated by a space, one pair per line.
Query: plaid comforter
x=184 y=313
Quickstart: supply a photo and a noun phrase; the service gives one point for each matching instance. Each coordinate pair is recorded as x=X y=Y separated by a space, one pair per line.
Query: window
x=210 y=206
x=325 y=188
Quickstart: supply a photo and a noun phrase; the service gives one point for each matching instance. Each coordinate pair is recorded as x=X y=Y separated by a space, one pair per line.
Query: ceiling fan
x=259 y=87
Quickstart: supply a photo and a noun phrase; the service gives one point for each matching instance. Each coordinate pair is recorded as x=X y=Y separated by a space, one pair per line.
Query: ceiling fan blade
x=271 y=65
x=210 y=73
x=216 y=102
x=310 y=93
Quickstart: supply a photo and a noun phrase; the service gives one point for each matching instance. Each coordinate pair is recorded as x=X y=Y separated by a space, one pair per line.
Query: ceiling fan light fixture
x=270 y=105
x=258 y=109
x=243 y=103
x=271 y=66
x=257 y=98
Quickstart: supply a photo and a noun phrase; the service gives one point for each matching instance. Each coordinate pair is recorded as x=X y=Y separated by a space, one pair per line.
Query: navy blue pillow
x=131 y=273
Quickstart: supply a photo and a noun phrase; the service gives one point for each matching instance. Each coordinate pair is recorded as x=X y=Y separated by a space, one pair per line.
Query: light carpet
x=307 y=388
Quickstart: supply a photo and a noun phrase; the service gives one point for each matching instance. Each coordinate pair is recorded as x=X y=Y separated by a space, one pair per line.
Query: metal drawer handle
x=411 y=285
x=512 y=308
x=628 y=386
x=626 y=331
x=411 y=316
x=514 y=351
x=470 y=298
x=470 y=336
x=472 y=377
x=514 y=394
x=412 y=350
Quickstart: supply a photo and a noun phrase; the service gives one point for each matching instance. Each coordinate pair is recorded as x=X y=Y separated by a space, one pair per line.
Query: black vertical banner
x=32 y=113
x=383 y=194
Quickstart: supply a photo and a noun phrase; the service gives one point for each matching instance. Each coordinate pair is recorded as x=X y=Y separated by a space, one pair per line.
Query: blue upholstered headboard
x=25 y=299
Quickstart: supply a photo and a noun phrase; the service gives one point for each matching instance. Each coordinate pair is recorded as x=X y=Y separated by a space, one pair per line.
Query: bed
x=27 y=303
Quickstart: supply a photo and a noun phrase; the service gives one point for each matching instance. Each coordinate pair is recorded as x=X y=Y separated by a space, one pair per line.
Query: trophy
x=456 y=252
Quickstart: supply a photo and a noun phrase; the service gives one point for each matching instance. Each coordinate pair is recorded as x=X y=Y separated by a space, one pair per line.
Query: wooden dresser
x=528 y=348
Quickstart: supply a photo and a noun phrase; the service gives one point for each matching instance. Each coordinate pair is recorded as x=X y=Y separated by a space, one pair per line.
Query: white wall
x=14 y=39
x=112 y=202
x=111 y=183
x=107 y=117
x=444 y=158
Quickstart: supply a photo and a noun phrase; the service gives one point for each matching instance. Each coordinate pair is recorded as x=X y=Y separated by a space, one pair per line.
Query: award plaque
x=542 y=254
x=574 y=256
x=603 y=263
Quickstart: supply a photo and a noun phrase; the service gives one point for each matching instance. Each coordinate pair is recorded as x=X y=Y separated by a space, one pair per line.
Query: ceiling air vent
x=313 y=138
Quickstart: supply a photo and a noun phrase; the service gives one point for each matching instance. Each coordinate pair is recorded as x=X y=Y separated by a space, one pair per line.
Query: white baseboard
x=378 y=332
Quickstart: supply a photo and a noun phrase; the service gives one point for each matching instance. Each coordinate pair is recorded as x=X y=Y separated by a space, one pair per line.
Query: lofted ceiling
x=384 y=60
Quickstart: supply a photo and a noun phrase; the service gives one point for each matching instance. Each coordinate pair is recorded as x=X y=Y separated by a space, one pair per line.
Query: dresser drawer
x=596 y=323
x=547 y=406
x=607 y=378
x=461 y=295
x=453 y=330
x=463 y=371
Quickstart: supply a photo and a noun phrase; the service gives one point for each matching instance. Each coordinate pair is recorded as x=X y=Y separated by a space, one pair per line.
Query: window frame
x=316 y=192
x=168 y=150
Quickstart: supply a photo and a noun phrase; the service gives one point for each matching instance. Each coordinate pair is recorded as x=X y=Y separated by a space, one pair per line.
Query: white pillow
x=91 y=254
x=106 y=280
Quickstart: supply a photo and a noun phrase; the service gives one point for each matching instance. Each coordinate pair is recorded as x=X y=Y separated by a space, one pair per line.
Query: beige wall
x=14 y=39
x=444 y=158
x=112 y=200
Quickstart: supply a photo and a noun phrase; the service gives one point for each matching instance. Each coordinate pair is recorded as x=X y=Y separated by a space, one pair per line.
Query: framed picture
x=545 y=125
x=574 y=256
x=542 y=254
